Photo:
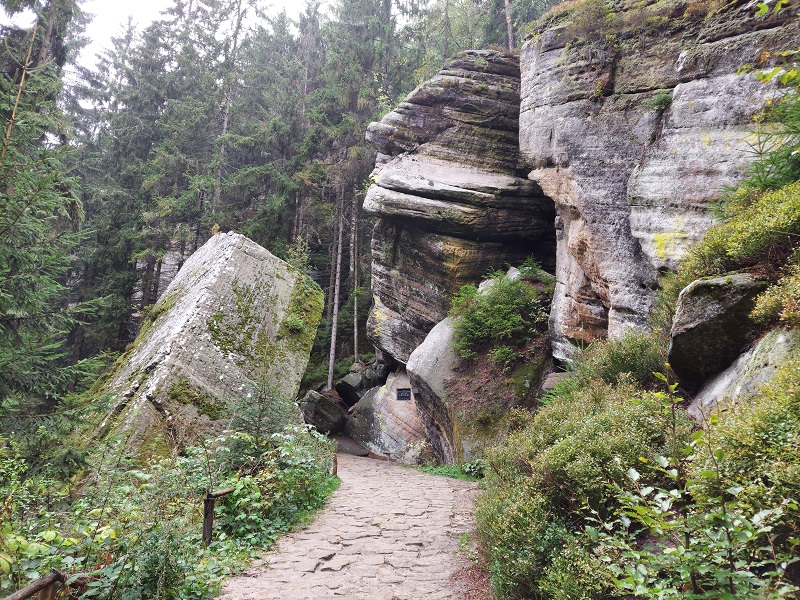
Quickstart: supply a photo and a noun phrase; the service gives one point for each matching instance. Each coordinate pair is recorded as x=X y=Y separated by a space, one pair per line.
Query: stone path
x=388 y=533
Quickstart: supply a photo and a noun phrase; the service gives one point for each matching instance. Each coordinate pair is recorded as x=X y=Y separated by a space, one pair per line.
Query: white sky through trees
x=110 y=17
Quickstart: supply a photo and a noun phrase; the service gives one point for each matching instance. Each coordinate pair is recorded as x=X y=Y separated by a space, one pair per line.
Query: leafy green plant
x=633 y=358
x=660 y=102
x=506 y=311
x=451 y=471
x=709 y=540
x=475 y=468
x=553 y=471
x=135 y=532
x=294 y=324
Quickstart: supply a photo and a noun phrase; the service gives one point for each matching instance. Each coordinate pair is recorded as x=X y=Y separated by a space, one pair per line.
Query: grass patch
x=472 y=471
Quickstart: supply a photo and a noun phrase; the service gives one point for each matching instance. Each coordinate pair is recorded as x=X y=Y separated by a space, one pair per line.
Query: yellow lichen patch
x=666 y=244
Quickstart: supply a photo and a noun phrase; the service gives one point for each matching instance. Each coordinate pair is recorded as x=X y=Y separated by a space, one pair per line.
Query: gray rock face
x=634 y=143
x=450 y=197
x=233 y=315
x=429 y=367
x=323 y=413
x=748 y=373
x=390 y=427
x=711 y=326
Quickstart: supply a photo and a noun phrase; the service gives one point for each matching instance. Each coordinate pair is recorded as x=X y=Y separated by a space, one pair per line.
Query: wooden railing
x=46 y=587
x=208 y=513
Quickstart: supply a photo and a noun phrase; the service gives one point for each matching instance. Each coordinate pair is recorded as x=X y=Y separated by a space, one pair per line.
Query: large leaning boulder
x=389 y=424
x=234 y=317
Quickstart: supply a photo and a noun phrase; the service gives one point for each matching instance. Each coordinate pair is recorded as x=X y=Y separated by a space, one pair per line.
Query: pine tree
x=39 y=213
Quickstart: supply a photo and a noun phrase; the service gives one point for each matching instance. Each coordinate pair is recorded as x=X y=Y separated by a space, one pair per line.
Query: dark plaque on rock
x=404 y=394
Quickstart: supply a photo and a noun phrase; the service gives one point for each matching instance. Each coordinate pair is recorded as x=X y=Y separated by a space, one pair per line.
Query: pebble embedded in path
x=388 y=533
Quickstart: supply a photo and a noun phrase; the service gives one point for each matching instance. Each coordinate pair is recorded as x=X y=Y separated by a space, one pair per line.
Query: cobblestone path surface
x=388 y=533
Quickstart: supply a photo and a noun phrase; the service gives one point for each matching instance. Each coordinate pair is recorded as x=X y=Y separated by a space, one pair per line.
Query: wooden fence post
x=208 y=518
x=208 y=513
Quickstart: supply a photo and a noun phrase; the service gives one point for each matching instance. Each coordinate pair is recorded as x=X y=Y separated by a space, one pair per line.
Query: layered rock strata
x=633 y=138
x=234 y=316
x=450 y=196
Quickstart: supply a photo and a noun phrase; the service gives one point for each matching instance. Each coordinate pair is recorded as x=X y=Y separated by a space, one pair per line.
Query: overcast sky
x=111 y=15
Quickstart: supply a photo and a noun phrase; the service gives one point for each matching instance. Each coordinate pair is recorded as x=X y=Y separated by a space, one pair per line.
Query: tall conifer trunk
x=355 y=271
x=510 y=26
x=226 y=111
x=336 y=290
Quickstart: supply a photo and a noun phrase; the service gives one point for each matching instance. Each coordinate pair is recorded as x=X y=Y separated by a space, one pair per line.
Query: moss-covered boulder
x=712 y=325
x=234 y=327
x=321 y=411
x=749 y=373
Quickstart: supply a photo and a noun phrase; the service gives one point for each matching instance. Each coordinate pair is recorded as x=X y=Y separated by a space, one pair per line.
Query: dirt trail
x=387 y=533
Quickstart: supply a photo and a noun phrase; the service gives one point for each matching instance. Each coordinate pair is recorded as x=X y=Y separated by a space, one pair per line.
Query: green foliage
x=759 y=439
x=634 y=357
x=714 y=538
x=521 y=533
x=781 y=301
x=475 y=468
x=505 y=312
x=136 y=532
x=660 y=102
x=760 y=230
x=561 y=463
x=757 y=228
x=39 y=230
x=471 y=471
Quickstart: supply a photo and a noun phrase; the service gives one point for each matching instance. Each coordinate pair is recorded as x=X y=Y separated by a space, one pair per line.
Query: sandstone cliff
x=451 y=198
x=633 y=133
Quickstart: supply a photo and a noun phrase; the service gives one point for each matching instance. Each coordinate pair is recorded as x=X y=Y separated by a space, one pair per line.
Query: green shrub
x=759 y=439
x=295 y=324
x=660 y=102
x=726 y=523
x=520 y=534
x=575 y=573
x=136 y=532
x=475 y=469
x=563 y=462
x=781 y=301
x=760 y=229
x=634 y=358
x=509 y=311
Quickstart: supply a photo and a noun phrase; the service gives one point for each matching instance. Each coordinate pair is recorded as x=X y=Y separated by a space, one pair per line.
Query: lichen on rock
x=635 y=164
x=235 y=315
